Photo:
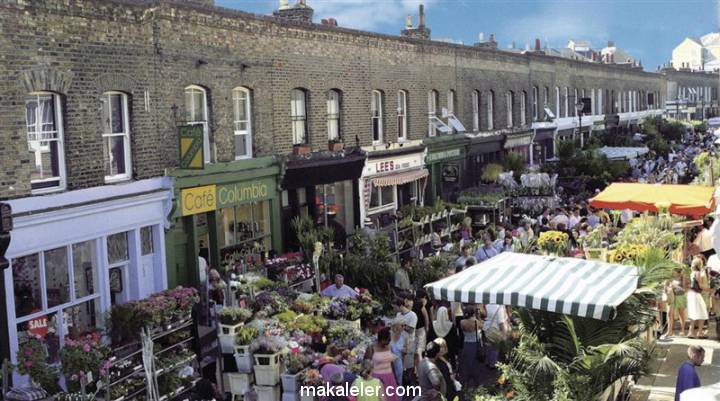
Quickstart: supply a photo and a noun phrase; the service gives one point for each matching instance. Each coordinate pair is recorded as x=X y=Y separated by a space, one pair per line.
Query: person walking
x=423 y=323
x=473 y=353
x=431 y=381
x=443 y=326
x=696 y=306
x=676 y=290
x=687 y=377
x=399 y=347
x=452 y=386
x=382 y=359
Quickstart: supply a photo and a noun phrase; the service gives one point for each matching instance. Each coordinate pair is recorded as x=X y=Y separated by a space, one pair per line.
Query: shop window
x=242 y=123
x=334 y=202
x=45 y=141
x=196 y=113
x=382 y=198
x=116 y=137
x=57 y=280
x=26 y=281
x=298 y=115
x=333 y=114
x=476 y=110
x=402 y=115
x=246 y=226
x=117 y=247
x=84 y=269
x=118 y=261
x=408 y=194
x=376 y=111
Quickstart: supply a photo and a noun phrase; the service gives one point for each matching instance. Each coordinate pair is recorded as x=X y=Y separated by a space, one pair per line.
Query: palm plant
x=562 y=357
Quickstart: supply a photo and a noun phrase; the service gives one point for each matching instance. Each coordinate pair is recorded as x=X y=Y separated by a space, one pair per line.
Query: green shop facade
x=227 y=213
x=446 y=162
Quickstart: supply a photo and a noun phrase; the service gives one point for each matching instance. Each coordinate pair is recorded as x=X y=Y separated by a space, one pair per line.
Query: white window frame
x=491 y=110
x=298 y=116
x=577 y=100
x=523 y=111
x=333 y=114
x=432 y=111
x=381 y=207
x=509 y=108
x=593 y=102
x=476 y=110
x=567 y=102
x=40 y=147
x=451 y=107
x=376 y=114
x=599 y=107
x=402 y=115
x=557 y=101
x=237 y=97
x=125 y=135
x=535 y=100
x=204 y=122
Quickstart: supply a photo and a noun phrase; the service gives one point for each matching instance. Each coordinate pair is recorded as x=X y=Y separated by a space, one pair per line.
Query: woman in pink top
x=382 y=362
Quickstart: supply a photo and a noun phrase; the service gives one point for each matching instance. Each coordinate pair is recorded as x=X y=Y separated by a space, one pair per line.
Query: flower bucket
x=290 y=383
x=227 y=343
x=290 y=397
x=267 y=359
x=599 y=254
x=305 y=397
x=239 y=383
x=267 y=375
x=243 y=358
x=268 y=393
x=229 y=330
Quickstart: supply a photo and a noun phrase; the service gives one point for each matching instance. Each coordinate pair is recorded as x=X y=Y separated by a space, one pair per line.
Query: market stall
x=623 y=153
x=690 y=200
x=564 y=285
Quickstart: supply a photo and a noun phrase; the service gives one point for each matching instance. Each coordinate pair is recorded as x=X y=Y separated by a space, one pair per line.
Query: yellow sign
x=198 y=200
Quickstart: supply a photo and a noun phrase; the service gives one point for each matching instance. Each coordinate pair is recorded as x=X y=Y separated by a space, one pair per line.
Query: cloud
x=369 y=15
x=557 y=22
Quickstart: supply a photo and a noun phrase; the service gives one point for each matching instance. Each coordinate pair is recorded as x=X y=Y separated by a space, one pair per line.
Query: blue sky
x=648 y=29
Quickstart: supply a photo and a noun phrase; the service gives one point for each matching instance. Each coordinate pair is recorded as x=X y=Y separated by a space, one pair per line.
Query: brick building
x=93 y=93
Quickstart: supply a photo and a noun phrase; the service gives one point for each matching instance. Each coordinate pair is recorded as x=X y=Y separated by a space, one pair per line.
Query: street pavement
x=669 y=355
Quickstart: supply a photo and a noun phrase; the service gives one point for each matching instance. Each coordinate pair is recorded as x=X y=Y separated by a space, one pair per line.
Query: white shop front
x=391 y=179
x=75 y=254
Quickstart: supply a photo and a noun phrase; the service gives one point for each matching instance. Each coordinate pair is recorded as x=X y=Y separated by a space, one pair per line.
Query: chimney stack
x=481 y=37
x=408 y=22
x=421 y=21
x=421 y=32
x=284 y=5
x=537 y=45
x=611 y=43
x=298 y=12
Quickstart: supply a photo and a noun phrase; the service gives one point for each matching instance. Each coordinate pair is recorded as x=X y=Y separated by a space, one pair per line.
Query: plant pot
x=230 y=329
x=239 y=383
x=290 y=397
x=267 y=359
x=305 y=397
x=227 y=343
x=290 y=382
x=243 y=358
x=268 y=393
x=302 y=149
x=335 y=146
x=267 y=375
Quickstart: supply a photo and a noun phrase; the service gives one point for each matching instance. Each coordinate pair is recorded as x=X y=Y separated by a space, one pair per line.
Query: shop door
x=147 y=262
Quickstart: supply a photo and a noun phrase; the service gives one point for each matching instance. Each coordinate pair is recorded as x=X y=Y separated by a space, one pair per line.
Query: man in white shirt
x=410 y=320
x=339 y=289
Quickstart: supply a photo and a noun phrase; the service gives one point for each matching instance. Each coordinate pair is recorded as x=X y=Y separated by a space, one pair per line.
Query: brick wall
x=86 y=47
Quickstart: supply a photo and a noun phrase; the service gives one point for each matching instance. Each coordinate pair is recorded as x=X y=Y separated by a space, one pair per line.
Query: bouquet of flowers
x=595 y=238
x=337 y=309
x=344 y=335
x=626 y=253
x=296 y=362
x=309 y=324
x=185 y=298
x=233 y=315
x=553 y=242
x=312 y=378
x=159 y=309
x=270 y=303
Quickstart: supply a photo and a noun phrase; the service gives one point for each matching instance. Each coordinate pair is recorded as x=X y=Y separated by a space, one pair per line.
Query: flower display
x=246 y=335
x=268 y=345
x=185 y=298
x=626 y=253
x=234 y=315
x=83 y=355
x=309 y=324
x=554 y=242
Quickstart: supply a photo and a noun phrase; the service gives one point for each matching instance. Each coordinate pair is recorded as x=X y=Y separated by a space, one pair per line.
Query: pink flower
x=86 y=347
x=28 y=351
x=28 y=364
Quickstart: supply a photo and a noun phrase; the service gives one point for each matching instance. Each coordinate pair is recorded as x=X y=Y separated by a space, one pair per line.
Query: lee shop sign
x=212 y=197
x=384 y=166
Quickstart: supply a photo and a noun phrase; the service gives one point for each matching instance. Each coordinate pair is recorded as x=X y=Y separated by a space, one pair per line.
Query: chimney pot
x=332 y=21
x=283 y=5
x=537 y=44
x=421 y=12
x=492 y=37
x=408 y=22
x=324 y=21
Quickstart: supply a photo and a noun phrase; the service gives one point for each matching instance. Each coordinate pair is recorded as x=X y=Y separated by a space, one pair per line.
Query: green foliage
x=598 y=169
x=491 y=172
x=370 y=264
x=233 y=315
x=709 y=167
x=286 y=317
x=31 y=361
x=245 y=335
x=476 y=197
x=652 y=231
x=430 y=269
x=514 y=162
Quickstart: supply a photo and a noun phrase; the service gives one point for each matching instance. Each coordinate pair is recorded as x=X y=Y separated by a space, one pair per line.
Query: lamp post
x=579 y=106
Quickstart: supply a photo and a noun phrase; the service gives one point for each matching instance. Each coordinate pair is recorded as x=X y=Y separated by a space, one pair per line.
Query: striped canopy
x=564 y=285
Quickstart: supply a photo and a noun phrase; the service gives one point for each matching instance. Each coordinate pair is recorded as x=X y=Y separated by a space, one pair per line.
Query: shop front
x=392 y=178
x=544 y=145
x=483 y=149
x=324 y=187
x=227 y=213
x=446 y=164
x=520 y=143
x=75 y=254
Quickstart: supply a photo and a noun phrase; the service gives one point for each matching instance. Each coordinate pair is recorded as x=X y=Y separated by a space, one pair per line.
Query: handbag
x=494 y=334
x=480 y=350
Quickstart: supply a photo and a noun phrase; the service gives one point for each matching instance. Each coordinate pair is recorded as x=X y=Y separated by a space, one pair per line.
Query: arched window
x=196 y=113
x=577 y=100
x=476 y=110
x=402 y=115
x=557 y=102
x=593 y=102
x=334 y=97
x=509 y=107
x=116 y=137
x=43 y=113
x=242 y=122
x=432 y=111
x=535 y=101
x=451 y=107
x=599 y=108
x=490 y=110
x=566 y=111
x=523 y=102
x=376 y=111
x=546 y=99
x=298 y=115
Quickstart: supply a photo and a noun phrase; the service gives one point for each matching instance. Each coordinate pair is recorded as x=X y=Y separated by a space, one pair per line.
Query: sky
x=647 y=29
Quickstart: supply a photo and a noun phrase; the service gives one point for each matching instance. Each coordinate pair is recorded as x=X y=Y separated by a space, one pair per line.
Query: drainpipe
x=5 y=228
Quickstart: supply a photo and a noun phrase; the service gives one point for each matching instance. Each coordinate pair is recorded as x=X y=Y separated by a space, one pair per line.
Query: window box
x=302 y=149
x=335 y=146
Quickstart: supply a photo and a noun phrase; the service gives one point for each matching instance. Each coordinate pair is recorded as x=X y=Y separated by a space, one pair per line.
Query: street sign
x=191 y=147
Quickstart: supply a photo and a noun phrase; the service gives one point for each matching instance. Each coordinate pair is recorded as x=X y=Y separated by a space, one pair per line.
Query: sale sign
x=38 y=326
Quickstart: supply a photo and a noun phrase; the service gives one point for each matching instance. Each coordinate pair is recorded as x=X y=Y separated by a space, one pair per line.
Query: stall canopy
x=689 y=200
x=564 y=285
x=622 y=153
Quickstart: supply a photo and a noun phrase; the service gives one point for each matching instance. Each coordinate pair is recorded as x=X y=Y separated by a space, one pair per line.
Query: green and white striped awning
x=564 y=285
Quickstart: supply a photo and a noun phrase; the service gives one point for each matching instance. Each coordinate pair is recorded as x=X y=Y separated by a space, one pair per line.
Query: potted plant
x=232 y=318
x=335 y=145
x=244 y=336
x=302 y=149
x=83 y=356
x=31 y=357
x=266 y=352
x=295 y=363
